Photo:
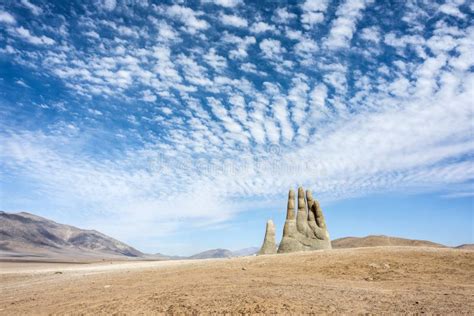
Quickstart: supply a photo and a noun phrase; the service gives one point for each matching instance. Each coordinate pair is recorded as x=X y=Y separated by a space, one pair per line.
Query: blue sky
x=180 y=126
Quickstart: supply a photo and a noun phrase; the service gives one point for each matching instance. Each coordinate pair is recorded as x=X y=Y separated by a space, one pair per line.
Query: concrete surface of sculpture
x=305 y=230
x=269 y=245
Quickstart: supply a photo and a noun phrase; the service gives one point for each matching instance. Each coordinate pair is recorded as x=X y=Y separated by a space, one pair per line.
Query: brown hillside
x=376 y=241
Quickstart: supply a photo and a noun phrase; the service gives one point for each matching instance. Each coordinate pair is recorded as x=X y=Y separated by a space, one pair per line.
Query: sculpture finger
x=289 y=230
x=269 y=245
x=319 y=214
x=290 y=211
x=309 y=199
x=302 y=218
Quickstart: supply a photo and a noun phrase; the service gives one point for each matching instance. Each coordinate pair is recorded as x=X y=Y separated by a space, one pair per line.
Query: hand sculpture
x=307 y=231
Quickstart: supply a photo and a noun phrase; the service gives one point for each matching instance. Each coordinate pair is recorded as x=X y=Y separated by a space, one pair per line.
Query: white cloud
x=336 y=77
x=7 y=18
x=251 y=68
x=313 y=12
x=36 y=10
x=194 y=73
x=371 y=34
x=188 y=17
x=280 y=110
x=427 y=73
x=344 y=26
x=272 y=131
x=399 y=87
x=298 y=96
x=108 y=5
x=166 y=110
x=148 y=96
x=224 y=3
x=164 y=66
x=464 y=50
x=451 y=7
x=272 y=49
x=458 y=195
x=95 y=112
x=26 y=35
x=306 y=47
x=294 y=34
x=444 y=43
x=233 y=20
x=281 y=15
x=166 y=31
x=262 y=27
x=127 y=31
x=216 y=61
x=318 y=96
x=242 y=44
x=222 y=114
x=238 y=109
x=22 y=83
x=92 y=34
x=402 y=41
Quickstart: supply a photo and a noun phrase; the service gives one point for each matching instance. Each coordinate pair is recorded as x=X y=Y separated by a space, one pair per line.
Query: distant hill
x=223 y=253
x=465 y=246
x=245 y=252
x=24 y=235
x=213 y=253
x=165 y=257
x=375 y=241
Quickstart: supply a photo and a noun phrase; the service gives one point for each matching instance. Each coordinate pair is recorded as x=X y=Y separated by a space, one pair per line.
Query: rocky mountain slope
x=25 y=235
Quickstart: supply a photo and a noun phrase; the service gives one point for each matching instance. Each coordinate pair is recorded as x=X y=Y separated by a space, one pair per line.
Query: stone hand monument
x=305 y=231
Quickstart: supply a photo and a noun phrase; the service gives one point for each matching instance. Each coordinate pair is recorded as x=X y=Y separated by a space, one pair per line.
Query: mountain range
x=27 y=236
x=24 y=236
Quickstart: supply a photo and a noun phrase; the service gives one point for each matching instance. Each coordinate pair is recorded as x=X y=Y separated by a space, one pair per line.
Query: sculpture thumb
x=269 y=245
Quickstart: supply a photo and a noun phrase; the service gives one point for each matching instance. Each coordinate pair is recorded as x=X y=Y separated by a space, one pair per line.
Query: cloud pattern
x=191 y=112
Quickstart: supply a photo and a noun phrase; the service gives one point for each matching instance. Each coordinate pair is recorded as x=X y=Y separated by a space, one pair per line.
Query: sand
x=351 y=281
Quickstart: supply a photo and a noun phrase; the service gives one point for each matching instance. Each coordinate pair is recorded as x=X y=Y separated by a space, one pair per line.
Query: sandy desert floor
x=364 y=280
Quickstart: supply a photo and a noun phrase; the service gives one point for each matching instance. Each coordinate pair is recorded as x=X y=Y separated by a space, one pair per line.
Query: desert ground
x=351 y=281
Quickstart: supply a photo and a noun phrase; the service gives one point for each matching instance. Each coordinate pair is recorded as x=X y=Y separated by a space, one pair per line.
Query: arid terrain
x=358 y=280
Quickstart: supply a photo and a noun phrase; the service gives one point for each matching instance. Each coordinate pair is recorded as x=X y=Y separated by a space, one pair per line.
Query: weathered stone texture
x=305 y=231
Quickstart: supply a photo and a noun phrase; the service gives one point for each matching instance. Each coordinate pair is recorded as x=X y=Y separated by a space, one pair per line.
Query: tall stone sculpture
x=305 y=231
x=269 y=245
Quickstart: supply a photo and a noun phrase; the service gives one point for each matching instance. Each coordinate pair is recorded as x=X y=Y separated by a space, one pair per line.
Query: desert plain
x=375 y=280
